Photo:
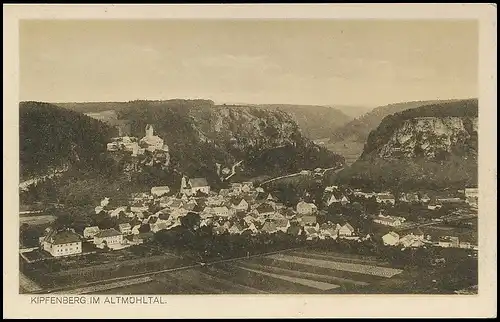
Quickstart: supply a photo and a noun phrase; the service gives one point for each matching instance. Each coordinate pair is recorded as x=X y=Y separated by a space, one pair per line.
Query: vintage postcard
x=165 y=161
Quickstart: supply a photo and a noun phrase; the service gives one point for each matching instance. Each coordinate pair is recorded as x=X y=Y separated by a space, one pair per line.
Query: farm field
x=68 y=275
x=350 y=150
x=307 y=272
x=36 y=220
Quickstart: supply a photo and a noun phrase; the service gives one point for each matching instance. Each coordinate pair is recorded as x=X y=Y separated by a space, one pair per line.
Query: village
x=245 y=209
x=401 y=220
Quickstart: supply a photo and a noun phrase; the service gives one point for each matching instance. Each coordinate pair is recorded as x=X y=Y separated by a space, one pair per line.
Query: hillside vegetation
x=51 y=137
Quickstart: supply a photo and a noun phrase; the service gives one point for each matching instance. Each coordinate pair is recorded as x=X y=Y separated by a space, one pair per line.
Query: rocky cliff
x=434 y=145
x=432 y=138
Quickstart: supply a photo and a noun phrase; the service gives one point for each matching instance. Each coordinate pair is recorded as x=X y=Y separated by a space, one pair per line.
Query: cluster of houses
x=468 y=196
x=239 y=209
x=416 y=238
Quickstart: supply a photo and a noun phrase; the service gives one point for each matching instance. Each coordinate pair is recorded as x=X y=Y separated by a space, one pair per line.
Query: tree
x=191 y=221
x=29 y=235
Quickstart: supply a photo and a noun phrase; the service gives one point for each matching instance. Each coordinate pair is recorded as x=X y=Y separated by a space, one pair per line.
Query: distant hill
x=314 y=121
x=358 y=129
x=352 y=111
x=432 y=146
x=53 y=137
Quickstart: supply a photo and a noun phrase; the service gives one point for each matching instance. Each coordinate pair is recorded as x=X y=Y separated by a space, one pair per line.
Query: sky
x=318 y=62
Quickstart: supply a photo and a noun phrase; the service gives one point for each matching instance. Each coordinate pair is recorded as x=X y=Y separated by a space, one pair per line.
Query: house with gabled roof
x=125 y=228
x=282 y=224
x=312 y=232
x=346 y=230
x=390 y=238
x=61 y=242
x=386 y=198
x=236 y=228
x=240 y=204
x=269 y=227
x=306 y=208
x=160 y=191
x=329 y=230
x=109 y=237
x=156 y=227
x=221 y=211
x=411 y=241
x=264 y=209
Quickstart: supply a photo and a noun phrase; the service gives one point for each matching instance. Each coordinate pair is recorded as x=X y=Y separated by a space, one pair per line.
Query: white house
x=160 y=191
x=125 y=229
x=242 y=205
x=387 y=198
x=388 y=221
x=391 y=239
x=90 y=232
x=221 y=211
x=346 y=230
x=108 y=237
x=61 y=243
x=305 y=208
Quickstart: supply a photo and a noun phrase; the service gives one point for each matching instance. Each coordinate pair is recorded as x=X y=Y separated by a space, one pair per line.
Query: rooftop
x=111 y=232
x=198 y=182
x=62 y=237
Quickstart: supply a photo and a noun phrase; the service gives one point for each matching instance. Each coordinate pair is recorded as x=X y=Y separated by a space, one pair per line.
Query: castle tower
x=149 y=131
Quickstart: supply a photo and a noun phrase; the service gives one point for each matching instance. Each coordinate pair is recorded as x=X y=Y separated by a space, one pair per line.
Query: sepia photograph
x=202 y=156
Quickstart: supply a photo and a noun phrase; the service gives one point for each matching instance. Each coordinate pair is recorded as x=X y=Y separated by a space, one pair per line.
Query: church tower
x=149 y=131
